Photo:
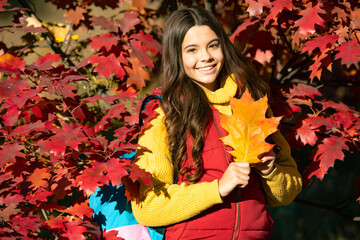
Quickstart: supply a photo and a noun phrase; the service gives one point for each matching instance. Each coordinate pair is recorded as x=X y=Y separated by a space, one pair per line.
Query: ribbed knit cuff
x=213 y=192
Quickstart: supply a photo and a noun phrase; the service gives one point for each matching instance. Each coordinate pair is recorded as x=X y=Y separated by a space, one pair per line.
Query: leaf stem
x=44 y=214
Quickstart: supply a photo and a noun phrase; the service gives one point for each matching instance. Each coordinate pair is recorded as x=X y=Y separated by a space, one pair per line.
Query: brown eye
x=214 y=45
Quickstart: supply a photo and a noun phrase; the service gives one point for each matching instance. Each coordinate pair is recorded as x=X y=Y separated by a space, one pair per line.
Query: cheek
x=189 y=62
x=220 y=56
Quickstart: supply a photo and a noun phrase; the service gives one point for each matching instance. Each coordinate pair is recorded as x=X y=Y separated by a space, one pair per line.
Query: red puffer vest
x=243 y=214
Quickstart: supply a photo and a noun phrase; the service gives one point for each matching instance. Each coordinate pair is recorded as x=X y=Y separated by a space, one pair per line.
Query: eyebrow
x=195 y=45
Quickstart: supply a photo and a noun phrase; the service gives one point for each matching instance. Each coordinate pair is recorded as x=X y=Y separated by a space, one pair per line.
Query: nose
x=206 y=55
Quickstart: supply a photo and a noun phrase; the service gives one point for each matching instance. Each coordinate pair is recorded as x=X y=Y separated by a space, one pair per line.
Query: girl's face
x=202 y=56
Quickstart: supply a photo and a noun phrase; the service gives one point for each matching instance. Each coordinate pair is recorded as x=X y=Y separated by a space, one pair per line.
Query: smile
x=206 y=69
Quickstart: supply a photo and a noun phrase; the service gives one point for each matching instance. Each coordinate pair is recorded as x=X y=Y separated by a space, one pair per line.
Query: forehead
x=199 y=35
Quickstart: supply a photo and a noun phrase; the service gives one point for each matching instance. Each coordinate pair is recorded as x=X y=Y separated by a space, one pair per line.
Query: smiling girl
x=198 y=191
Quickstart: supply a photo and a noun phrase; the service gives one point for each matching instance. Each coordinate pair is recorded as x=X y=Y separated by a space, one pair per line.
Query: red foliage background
x=67 y=116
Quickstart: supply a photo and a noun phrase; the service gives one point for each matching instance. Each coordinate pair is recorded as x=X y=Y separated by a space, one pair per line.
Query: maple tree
x=68 y=114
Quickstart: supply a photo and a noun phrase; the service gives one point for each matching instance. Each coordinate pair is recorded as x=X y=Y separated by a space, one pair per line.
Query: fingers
x=271 y=155
x=236 y=175
x=267 y=163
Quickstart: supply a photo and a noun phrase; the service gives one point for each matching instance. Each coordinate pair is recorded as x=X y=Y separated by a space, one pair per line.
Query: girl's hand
x=237 y=174
x=267 y=163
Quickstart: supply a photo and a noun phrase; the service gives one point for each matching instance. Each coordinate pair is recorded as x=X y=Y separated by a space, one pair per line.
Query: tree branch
x=333 y=207
x=50 y=39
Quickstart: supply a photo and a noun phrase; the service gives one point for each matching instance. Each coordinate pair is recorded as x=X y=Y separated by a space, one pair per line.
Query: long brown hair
x=187 y=109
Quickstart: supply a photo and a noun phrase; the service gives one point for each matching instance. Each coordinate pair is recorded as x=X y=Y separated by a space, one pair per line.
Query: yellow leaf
x=248 y=127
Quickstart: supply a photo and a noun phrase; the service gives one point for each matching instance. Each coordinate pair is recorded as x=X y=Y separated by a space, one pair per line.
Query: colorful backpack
x=112 y=210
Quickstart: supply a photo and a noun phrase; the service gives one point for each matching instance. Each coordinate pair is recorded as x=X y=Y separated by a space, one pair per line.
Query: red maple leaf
x=242 y=27
x=11 y=64
x=19 y=167
x=129 y=21
x=66 y=91
x=10 y=210
x=306 y=135
x=115 y=170
x=337 y=106
x=11 y=198
x=23 y=224
x=263 y=40
x=124 y=133
x=277 y=7
x=109 y=99
x=45 y=63
x=11 y=116
x=139 y=51
x=355 y=18
x=321 y=42
x=105 y=40
x=24 y=130
x=128 y=94
x=153 y=45
x=72 y=77
x=114 y=112
x=8 y=153
x=67 y=136
x=37 y=178
x=61 y=186
x=22 y=98
x=111 y=235
x=149 y=112
x=313 y=169
x=340 y=13
x=56 y=222
x=80 y=210
x=40 y=195
x=322 y=61
x=138 y=174
x=317 y=122
x=92 y=177
x=104 y=23
x=3 y=3
x=330 y=150
x=310 y=17
x=13 y=86
x=74 y=229
x=302 y=90
x=349 y=52
x=104 y=66
x=131 y=119
x=256 y=7
x=137 y=75
x=75 y=16
x=345 y=118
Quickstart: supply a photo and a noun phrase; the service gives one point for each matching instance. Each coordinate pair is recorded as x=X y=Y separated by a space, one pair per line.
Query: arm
x=284 y=182
x=281 y=179
x=166 y=203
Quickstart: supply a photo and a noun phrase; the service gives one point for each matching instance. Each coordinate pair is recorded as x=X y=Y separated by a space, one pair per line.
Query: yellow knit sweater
x=166 y=203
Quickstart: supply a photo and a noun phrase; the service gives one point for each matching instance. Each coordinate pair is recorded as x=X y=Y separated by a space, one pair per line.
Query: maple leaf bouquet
x=248 y=128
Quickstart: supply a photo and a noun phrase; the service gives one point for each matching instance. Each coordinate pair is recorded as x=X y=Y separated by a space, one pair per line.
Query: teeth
x=206 y=69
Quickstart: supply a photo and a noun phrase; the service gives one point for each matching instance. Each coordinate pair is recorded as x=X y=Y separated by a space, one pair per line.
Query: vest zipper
x=238 y=193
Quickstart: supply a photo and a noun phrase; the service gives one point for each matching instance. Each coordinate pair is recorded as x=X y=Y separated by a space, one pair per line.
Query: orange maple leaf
x=39 y=178
x=137 y=75
x=248 y=127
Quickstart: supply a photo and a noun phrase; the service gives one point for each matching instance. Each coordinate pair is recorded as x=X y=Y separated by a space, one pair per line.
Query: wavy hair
x=187 y=109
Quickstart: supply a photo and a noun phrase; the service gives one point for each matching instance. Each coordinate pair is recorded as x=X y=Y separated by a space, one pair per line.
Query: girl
x=198 y=191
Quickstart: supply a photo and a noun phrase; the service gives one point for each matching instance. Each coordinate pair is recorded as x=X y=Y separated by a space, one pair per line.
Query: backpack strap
x=144 y=103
